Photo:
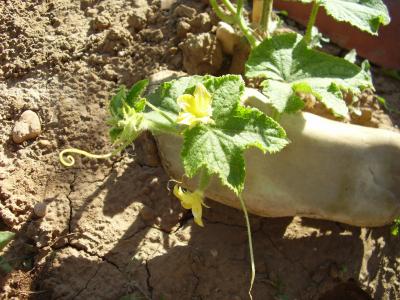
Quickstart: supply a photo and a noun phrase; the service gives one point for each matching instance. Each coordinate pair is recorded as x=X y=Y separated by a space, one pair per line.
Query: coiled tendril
x=68 y=160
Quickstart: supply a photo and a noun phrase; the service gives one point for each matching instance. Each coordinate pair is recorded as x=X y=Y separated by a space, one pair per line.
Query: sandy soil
x=112 y=229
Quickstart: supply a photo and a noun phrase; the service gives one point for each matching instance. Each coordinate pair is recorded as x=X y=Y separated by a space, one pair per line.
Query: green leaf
x=5 y=238
x=351 y=56
x=157 y=123
x=225 y=93
x=135 y=93
x=164 y=97
x=290 y=68
x=117 y=102
x=366 y=15
x=219 y=148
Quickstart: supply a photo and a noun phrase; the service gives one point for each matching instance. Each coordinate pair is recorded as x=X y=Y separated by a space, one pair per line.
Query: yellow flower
x=193 y=201
x=195 y=108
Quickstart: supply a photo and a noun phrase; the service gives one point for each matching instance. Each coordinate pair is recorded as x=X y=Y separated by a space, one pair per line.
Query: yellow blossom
x=193 y=201
x=195 y=108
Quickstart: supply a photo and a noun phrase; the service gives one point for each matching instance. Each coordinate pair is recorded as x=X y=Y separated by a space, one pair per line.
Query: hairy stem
x=243 y=25
x=266 y=16
x=311 y=21
x=160 y=112
x=236 y=18
x=230 y=6
x=250 y=239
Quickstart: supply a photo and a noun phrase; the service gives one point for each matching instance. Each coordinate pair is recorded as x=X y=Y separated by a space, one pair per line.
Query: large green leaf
x=166 y=94
x=290 y=68
x=367 y=15
x=218 y=148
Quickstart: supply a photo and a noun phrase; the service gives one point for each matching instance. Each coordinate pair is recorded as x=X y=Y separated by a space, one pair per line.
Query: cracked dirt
x=112 y=228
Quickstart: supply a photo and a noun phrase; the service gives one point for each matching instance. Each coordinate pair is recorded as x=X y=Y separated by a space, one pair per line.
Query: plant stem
x=311 y=21
x=160 y=112
x=243 y=26
x=250 y=239
x=266 y=16
x=256 y=13
x=223 y=16
x=230 y=6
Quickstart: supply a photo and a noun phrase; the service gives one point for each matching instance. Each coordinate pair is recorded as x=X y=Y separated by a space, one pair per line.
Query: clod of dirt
x=202 y=54
x=27 y=127
x=240 y=54
x=182 y=28
x=184 y=11
x=228 y=37
x=201 y=23
x=40 y=209
x=100 y=23
x=152 y=35
x=117 y=39
x=137 y=19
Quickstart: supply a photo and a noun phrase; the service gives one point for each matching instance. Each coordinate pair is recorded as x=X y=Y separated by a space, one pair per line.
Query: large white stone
x=27 y=127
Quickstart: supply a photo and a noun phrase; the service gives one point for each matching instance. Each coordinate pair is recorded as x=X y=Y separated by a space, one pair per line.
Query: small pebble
x=100 y=23
x=27 y=127
x=40 y=209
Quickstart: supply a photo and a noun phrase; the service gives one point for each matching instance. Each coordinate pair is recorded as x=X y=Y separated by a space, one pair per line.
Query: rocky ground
x=111 y=228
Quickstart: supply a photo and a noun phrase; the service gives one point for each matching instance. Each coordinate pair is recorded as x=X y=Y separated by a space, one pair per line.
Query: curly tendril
x=68 y=160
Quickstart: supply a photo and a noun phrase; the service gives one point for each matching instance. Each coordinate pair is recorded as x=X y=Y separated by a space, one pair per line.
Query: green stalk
x=160 y=112
x=266 y=16
x=243 y=26
x=311 y=21
x=230 y=6
x=250 y=239
x=223 y=16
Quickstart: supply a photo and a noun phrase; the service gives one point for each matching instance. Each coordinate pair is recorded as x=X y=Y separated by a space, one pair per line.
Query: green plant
x=207 y=112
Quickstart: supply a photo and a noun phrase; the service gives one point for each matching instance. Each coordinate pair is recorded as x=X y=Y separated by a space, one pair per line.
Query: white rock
x=227 y=37
x=27 y=127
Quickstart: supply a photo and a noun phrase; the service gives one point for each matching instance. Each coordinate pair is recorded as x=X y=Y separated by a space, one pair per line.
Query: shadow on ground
x=161 y=254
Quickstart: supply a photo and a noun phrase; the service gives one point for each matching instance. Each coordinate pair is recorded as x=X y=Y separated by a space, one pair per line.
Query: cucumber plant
x=207 y=112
